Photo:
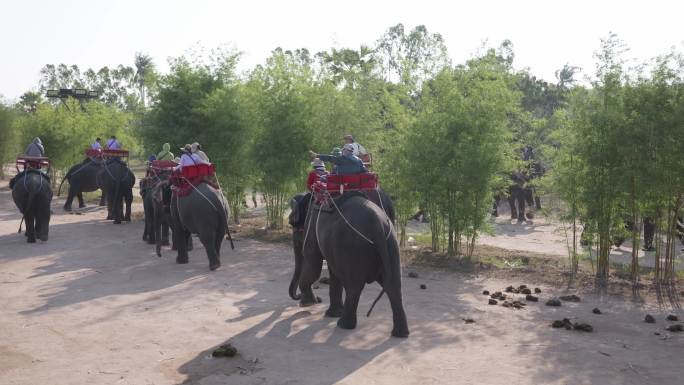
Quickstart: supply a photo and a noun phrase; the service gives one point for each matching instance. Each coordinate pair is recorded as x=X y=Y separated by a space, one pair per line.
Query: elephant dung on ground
x=357 y=239
x=32 y=194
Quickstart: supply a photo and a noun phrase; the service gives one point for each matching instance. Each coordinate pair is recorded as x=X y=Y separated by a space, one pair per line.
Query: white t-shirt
x=359 y=149
x=190 y=160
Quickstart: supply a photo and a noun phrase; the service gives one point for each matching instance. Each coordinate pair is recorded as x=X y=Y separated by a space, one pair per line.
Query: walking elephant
x=82 y=178
x=32 y=194
x=117 y=182
x=199 y=210
x=358 y=241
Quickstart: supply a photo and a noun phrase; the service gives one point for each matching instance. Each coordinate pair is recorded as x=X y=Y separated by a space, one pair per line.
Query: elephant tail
x=59 y=190
x=390 y=261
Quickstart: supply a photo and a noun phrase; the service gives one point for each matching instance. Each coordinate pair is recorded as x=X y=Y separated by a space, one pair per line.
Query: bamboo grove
x=445 y=136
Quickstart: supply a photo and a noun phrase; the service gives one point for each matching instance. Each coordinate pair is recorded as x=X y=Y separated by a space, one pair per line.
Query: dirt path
x=546 y=236
x=94 y=305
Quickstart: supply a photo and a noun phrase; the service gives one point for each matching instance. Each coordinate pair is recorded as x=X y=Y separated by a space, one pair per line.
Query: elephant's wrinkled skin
x=203 y=212
x=32 y=194
x=82 y=178
x=156 y=194
x=117 y=182
x=352 y=260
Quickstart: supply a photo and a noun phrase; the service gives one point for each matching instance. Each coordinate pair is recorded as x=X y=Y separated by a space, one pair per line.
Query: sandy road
x=94 y=305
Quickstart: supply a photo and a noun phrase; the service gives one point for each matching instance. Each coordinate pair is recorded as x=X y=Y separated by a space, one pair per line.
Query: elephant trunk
x=297 y=240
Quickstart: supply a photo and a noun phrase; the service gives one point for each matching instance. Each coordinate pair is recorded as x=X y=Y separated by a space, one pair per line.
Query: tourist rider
x=113 y=143
x=197 y=149
x=97 y=145
x=165 y=153
x=35 y=149
x=358 y=149
x=188 y=158
x=318 y=173
x=346 y=163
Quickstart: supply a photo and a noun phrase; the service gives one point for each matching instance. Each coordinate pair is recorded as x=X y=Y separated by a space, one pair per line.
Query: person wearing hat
x=346 y=163
x=165 y=153
x=188 y=158
x=35 y=148
x=358 y=148
x=197 y=149
x=318 y=173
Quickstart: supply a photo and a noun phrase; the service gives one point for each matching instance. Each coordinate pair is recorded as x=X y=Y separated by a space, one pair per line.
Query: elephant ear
x=293 y=218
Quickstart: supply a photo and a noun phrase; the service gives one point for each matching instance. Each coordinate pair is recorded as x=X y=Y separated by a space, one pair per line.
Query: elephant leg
x=351 y=304
x=30 y=228
x=164 y=232
x=81 y=204
x=110 y=207
x=311 y=271
x=102 y=198
x=495 y=206
x=520 y=200
x=128 y=196
x=400 y=328
x=182 y=243
x=69 y=200
x=511 y=203
x=336 y=306
x=208 y=242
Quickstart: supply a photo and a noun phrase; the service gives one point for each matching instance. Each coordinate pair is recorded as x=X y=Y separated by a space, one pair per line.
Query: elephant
x=82 y=178
x=117 y=182
x=359 y=243
x=203 y=211
x=32 y=194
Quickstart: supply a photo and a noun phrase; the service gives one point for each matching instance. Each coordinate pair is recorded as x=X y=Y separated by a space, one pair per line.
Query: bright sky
x=546 y=34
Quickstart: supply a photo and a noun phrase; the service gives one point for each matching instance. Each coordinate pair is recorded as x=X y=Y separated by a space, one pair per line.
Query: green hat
x=336 y=151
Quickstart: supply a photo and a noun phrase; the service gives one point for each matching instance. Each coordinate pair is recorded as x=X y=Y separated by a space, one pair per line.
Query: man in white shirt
x=358 y=149
x=189 y=159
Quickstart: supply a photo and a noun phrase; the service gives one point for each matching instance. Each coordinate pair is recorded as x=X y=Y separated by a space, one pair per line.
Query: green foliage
x=8 y=136
x=67 y=133
x=457 y=147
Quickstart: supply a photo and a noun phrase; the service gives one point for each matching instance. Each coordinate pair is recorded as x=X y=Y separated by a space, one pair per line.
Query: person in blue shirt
x=97 y=145
x=113 y=143
x=347 y=163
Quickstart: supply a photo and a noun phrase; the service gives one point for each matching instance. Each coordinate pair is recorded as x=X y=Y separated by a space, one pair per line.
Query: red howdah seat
x=24 y=162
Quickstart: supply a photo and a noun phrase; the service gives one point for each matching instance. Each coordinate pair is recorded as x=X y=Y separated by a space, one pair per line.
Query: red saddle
x=189 y=177
x=337 y=184
x=93 y=153
x=31 y=162
x=109 y=153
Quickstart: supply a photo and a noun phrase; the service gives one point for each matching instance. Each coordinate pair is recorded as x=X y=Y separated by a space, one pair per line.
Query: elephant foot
x=31 y=240
x=309 y=300
x=127 y=219
x=333 y=313
x=81 y=206
x=165 y=242
x=117 y=222
x=145 y=237
x=214 y=266
x=44 y=238
x=67 y=208
x=401 y=332
x=109 y=217
x=344 y=323
x=182 y=261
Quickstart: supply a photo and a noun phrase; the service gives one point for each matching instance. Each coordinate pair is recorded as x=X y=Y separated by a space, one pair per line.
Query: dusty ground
x=94 y=305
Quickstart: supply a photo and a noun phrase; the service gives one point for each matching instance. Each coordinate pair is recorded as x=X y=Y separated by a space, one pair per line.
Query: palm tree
x=144 y=66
